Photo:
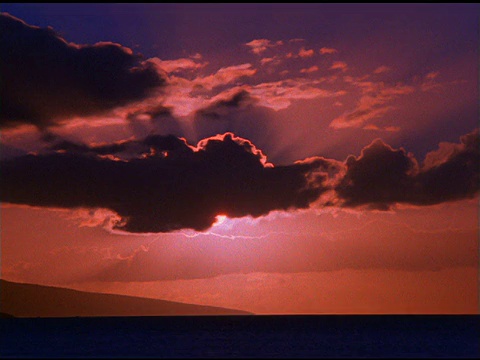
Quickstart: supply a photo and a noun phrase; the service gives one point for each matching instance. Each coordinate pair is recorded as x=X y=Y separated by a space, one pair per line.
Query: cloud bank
x=382 y=176
x=167 y=185
x=46 y=79
x=163 y=184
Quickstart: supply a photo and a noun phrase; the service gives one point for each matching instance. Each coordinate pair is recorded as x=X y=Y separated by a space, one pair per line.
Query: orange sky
x=356 y=263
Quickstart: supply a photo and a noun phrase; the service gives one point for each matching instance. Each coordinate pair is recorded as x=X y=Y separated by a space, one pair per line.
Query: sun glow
x=219 y=220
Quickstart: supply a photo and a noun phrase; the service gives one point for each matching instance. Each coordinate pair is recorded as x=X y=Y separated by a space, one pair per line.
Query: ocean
x=250 y=336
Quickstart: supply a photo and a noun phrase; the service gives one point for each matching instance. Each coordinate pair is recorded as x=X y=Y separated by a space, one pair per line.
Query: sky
x=273 y=158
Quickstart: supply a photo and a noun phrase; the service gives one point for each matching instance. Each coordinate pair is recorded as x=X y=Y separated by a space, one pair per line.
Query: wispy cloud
x=375 y=101
x=339 y=65
x=309 y=70
x=381 y=69
x=376 y=128
x=275 y=60
x=430 y=81
x=296 y=40
x=326 y=50
x=186 y=96
x=225 y=75
x=280 y=94
x=258 y=46
x=304 y=53
x=171 y=66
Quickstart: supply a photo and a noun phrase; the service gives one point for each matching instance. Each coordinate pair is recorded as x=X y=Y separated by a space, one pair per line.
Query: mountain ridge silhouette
x=31 y=300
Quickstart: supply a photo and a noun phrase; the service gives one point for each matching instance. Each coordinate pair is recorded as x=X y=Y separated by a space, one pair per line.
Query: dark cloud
x=234 y=113
x=7 y=151
x=239 y=113
x=168 y=186
x=162 y=184
x=378 y=177
x=382 y=176
x=453 y=176
x=237 y=100
x=45 y=79
x=66 y=146
x=156 y=120
x=153 y=145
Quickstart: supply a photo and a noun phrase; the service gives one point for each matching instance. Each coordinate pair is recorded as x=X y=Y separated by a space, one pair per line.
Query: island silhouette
x=29 y=300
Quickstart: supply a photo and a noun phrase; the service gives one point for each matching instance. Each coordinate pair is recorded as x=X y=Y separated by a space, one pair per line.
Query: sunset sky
x=278 y=159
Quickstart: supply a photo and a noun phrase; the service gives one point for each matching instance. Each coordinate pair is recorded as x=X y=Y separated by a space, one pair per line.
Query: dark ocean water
x=327 y=336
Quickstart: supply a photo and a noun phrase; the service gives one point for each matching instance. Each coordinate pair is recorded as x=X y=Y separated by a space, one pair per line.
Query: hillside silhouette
x=29 y=300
